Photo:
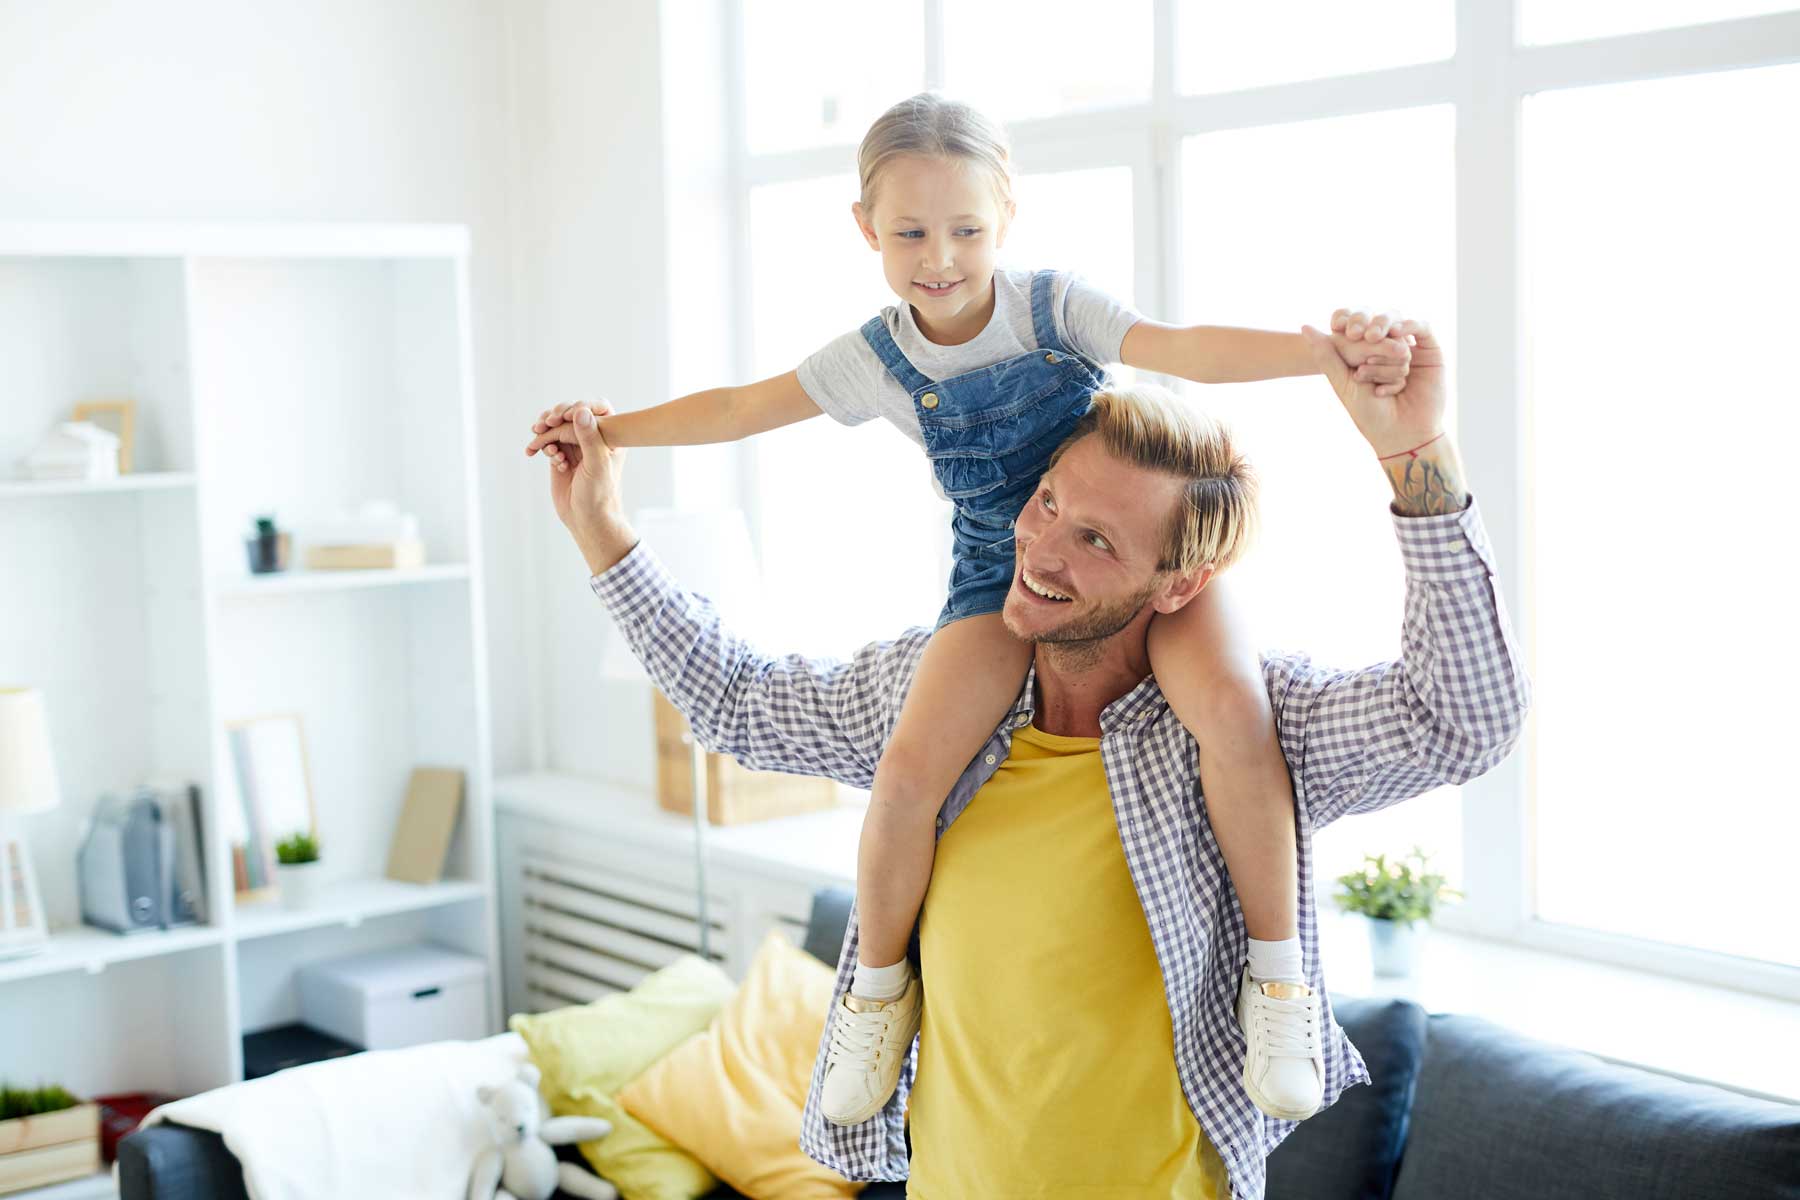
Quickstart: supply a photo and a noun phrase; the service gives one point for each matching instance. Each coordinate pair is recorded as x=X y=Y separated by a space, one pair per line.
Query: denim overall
x=989 y=434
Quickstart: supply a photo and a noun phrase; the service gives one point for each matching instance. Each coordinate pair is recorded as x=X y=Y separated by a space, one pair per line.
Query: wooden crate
x=734 y=794
x=49 y=1148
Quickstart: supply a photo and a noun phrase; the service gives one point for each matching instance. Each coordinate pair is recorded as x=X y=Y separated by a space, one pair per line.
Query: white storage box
x=400 y=997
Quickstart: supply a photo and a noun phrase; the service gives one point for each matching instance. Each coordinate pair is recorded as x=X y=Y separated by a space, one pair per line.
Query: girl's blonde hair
x=1150 y=426
x=929 y=126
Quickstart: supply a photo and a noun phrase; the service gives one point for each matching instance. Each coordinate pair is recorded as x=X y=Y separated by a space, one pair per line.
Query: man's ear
x=865 y=222
x=1180 y=589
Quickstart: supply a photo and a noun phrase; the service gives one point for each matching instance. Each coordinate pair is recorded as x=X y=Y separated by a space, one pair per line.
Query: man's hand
x=1405 y=430
x=1363 y=341
x=584 y=487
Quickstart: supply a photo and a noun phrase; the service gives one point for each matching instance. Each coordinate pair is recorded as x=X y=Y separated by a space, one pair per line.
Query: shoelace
x=855 y=1037
x=1289 y=1025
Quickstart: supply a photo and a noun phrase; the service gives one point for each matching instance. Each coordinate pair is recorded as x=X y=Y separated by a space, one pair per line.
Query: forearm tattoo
x=1426 y=487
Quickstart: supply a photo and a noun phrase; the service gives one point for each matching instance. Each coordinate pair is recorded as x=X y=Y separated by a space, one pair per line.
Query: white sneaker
x=870 y=1040
x=1284 y=1065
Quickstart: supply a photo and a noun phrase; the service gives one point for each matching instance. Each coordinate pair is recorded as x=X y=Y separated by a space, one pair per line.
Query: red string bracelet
x=1413 y=453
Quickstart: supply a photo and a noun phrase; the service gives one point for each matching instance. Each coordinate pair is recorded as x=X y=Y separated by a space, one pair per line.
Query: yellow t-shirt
x=1046 y=1058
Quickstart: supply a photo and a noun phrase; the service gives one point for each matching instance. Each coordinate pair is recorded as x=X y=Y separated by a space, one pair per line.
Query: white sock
x=881 y=983
x=1272 y=961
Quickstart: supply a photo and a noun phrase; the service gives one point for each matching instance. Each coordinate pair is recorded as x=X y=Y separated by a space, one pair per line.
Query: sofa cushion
x=732 y=1096
x=1499 y=1117
x=588 y=1052
x=1352 y=1149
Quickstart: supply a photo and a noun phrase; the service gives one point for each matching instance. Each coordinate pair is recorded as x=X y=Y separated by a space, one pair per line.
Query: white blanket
x=400 y=1123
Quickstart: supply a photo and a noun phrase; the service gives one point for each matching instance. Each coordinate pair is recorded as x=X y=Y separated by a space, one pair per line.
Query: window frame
x=1486 y=81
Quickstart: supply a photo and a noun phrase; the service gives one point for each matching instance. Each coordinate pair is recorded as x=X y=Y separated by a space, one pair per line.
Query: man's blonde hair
x=929 y=126
x=1150 y=426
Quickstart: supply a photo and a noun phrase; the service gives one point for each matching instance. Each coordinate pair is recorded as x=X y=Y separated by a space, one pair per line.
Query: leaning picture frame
x=117 y=417
x=267 y=797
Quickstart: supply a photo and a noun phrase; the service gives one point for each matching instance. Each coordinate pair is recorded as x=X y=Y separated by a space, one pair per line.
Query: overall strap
x=875 y=332
x=1043 y=315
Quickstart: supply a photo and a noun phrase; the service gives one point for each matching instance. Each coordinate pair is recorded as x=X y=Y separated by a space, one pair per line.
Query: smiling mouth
x=937 y=289
x=1039 y=590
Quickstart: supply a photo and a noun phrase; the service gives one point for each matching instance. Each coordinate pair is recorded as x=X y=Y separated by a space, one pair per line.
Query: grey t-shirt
x=848 y=382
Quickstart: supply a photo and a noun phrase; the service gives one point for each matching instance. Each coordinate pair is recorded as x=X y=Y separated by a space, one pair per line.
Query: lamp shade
x=27 y=772
x=706 y=551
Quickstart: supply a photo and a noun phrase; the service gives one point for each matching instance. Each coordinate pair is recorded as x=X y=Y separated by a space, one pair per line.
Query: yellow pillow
x=587 y=1052
x=732 y=1095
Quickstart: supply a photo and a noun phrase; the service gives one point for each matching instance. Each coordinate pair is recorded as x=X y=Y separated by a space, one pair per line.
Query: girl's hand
x=555 y=430
x=1374 y=346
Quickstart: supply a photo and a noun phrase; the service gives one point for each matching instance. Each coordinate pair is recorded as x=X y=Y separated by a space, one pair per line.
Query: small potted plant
x=44 y=1123
x=1398 y=899
x=297 y=868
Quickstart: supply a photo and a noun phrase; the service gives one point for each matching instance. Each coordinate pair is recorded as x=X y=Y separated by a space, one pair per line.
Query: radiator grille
x=590 y=932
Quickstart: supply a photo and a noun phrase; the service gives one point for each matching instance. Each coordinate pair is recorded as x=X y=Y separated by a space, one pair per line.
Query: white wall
x=537 y=123
x=304 y=110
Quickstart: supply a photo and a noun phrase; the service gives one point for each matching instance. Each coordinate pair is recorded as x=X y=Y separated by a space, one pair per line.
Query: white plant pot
x=1394 y=946
x=299 y=883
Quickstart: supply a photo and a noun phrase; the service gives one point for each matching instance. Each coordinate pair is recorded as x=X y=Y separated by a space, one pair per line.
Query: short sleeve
x=842 y=378
x=1093 y=323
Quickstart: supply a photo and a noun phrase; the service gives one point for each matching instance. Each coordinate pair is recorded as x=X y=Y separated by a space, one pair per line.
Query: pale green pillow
x=589 y=1051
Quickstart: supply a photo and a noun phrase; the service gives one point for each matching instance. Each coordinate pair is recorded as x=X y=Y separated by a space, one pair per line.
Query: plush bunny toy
x=522 y=1166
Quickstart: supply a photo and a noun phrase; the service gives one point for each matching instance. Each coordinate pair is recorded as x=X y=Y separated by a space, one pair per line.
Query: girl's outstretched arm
x=724 y=414
x=1222 y=354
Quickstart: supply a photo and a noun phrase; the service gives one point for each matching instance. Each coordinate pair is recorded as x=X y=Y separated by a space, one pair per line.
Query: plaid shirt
x=1356 y=741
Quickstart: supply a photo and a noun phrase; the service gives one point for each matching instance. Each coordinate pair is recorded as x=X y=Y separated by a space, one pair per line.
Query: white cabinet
x=296 y=370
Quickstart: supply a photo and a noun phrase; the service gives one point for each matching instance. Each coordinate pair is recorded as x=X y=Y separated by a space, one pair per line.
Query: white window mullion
x=1158 y=182
x=934 y=44
x=1490 y=426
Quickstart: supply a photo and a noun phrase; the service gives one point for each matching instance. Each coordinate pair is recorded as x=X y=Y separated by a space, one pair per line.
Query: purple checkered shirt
x=1356 y=741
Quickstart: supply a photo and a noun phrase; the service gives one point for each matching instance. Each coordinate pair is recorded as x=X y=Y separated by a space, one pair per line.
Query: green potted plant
x=47 y=1135
x=297 y=868
x=1398 y=899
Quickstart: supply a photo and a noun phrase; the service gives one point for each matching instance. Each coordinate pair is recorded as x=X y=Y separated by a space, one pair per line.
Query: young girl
x=988 y=370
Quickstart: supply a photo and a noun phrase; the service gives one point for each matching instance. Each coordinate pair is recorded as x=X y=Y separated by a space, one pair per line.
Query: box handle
x=422 y=993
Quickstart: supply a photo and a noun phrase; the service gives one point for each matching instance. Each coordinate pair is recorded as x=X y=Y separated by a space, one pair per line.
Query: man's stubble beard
x=1080 y=642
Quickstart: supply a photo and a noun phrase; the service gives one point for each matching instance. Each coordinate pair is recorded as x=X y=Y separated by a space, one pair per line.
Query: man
x=1102 y=1060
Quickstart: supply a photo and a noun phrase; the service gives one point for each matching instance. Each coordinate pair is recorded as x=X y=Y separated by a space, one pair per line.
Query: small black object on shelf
x=270 y=1050
x=267 y=548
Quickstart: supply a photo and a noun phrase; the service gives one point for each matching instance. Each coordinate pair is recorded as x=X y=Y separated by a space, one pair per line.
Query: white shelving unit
x=298 y=370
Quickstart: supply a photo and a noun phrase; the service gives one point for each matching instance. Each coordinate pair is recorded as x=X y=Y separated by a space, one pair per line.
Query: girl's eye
x=1049 y=504
x=911 y=233
x=968 y=231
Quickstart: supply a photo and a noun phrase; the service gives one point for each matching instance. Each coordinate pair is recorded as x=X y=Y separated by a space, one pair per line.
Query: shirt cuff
x=631 y=587
x=1445 y=547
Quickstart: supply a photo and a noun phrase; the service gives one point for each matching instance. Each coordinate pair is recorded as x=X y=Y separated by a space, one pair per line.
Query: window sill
x=1691 y=1030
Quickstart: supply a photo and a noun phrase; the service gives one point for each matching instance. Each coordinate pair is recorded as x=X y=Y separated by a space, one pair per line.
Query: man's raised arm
x=789 y=714
x=1453 y=705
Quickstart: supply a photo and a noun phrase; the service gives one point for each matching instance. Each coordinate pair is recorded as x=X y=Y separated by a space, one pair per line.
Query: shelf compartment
x=350 y=904
x=149 y=481
x=85 y=948
x=289 y=583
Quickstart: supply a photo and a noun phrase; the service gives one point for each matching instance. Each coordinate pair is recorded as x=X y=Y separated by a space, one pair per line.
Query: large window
x=1609 y=259
x=1667 y=641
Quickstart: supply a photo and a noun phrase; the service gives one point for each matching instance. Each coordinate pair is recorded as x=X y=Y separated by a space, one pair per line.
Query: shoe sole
x=866 y=1113
x=1274 y=1110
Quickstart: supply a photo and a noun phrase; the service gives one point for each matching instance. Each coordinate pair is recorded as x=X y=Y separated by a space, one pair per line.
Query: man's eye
x=1098 y=542
x=911 y=233
x=968 y=231
x=1049 y=504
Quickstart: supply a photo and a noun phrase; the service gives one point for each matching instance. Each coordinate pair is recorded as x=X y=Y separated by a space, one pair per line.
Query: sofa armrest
x=173 y=1162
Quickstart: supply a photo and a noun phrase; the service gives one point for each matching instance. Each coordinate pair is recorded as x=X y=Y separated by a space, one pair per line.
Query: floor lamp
x=707 y=552
x=27 y=785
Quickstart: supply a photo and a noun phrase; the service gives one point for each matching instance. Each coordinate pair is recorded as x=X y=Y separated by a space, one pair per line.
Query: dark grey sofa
x=1459 y=1109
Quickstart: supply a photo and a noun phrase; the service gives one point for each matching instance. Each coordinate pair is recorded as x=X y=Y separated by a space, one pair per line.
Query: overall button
x=989 y=760
x=929 y=400
x=1051 y=357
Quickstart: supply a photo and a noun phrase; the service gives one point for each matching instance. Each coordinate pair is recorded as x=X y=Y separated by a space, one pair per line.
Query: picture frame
x=267 y=796
x=118 y=417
